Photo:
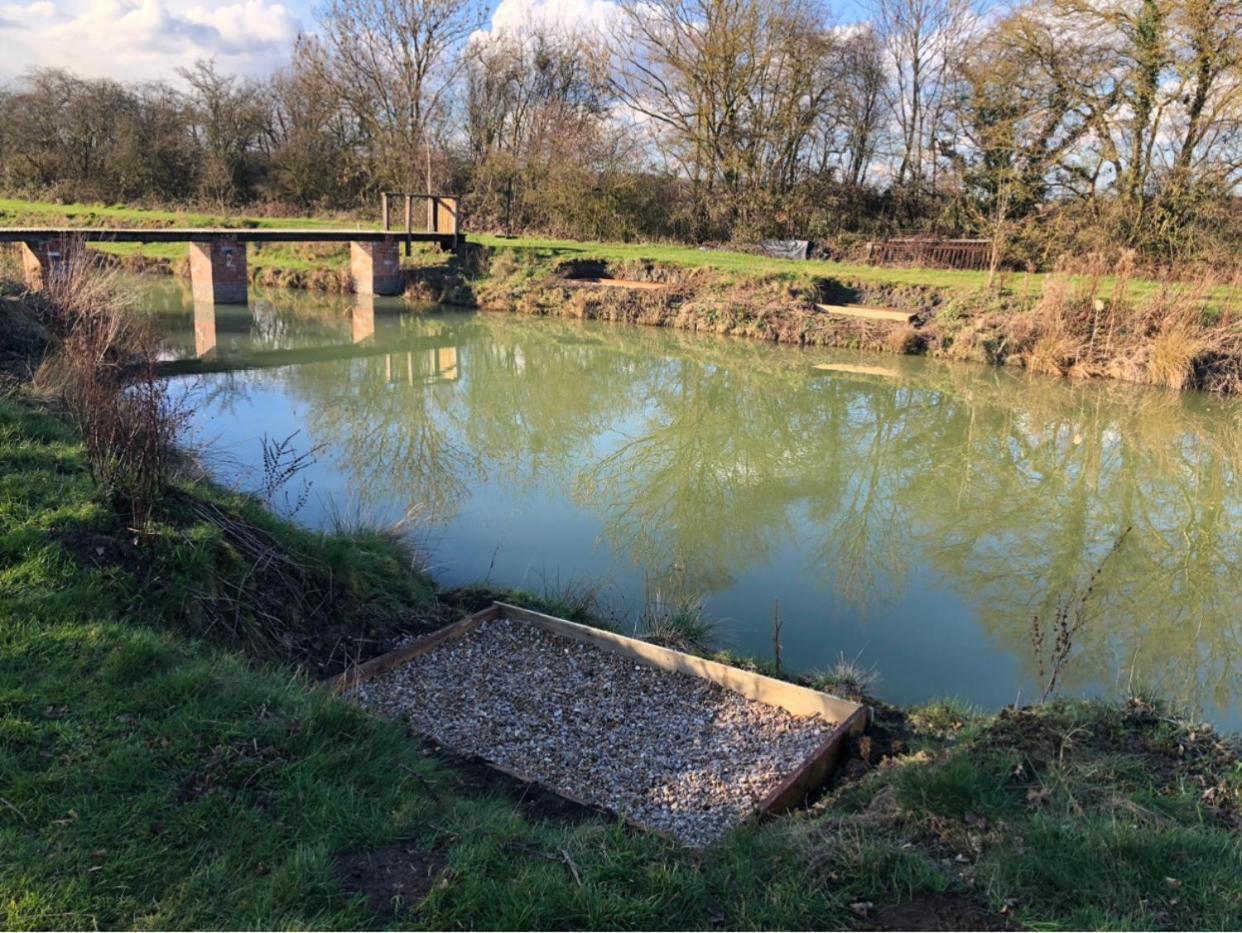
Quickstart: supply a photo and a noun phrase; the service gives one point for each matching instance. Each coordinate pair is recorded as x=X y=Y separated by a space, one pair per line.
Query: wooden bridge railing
x=439 y=214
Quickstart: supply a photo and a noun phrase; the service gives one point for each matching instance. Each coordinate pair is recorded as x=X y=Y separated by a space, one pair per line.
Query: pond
x=911 y=515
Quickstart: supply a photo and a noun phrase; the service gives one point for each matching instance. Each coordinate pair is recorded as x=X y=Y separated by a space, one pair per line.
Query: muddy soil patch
x=93 y=549
x=930 y=911
x=394 y=879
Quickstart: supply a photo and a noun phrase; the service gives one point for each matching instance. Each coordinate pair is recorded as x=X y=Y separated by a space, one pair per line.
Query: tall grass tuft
x=1182 y=337
x=847 y=677
x=676 y=620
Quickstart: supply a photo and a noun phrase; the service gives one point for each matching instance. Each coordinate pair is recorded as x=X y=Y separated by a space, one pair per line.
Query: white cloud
x=248 y=22
x=17 y=16
x=20 y=11
x=518 y=16
x=143 y=39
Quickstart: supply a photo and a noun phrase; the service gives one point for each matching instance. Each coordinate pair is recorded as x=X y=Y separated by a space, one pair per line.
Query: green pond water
x=909 y=514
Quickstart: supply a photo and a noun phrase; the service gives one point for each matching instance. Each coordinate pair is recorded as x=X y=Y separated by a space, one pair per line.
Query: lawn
x=151 y=778
x=306 y=258
x=16 y=212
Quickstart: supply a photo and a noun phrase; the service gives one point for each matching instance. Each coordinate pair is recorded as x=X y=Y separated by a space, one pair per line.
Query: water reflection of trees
x=707 y=455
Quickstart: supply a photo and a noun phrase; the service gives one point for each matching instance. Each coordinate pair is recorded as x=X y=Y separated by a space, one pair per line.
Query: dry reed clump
x=1054 y=347
x=1174 y=352
x=103 y=368
x=1176 y=338
x=906 y=339
x=276 y=600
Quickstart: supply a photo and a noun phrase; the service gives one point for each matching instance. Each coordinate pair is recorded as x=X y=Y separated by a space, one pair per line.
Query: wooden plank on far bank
x=873 y=314
x=618 y=283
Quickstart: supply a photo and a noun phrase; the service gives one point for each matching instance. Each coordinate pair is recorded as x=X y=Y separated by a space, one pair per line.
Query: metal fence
x=930 y=251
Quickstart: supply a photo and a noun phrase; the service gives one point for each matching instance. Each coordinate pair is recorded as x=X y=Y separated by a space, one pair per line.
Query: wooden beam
x=801 y=701
x=209 y=234
x=814 y=771
x=873 y=314
x=618 y=283
x=386 y=662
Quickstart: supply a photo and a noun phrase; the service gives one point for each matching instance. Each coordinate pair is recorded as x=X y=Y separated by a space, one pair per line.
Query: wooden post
x=446 y=215
x=385 y=211
x=409 y=221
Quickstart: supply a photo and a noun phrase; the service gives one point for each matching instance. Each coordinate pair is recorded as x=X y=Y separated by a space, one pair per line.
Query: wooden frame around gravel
x=813 y=771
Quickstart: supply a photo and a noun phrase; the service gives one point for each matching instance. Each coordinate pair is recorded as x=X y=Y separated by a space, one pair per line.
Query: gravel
x=669 y=751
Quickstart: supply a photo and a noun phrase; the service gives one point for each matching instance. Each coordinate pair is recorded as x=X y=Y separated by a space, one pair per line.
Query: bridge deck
x=209 y=234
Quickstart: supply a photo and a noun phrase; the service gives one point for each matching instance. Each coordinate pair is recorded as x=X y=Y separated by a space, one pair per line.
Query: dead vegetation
x=103 y=367
x=222 y=566
x=1179 y=338
x=323 y=605
x=1088 y=324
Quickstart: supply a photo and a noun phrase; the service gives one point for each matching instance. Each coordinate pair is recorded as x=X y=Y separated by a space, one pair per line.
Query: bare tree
x=852 y=120
x=535 y=114
x=231 y=118
x=391 y=64
x=732 y=88
x=316 y=145
x=922 y=39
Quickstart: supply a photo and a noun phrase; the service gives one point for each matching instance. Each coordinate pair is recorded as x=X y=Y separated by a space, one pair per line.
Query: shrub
x=104 y=369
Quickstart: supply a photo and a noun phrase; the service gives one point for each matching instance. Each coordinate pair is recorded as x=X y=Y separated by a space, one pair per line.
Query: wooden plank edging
x=386 y=662
x=848 y=717
x=814 y=771
x=801 y=701
x=636 y=284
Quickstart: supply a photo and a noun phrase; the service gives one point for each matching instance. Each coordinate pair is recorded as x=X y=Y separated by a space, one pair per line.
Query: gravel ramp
x=669 y=751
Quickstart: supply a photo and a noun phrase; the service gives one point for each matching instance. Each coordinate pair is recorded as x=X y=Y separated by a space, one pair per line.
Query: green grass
x=21 y=212
x=304 y=258
x=300 y=258
x=149 y=779
x=17 y=212
x=739 y=264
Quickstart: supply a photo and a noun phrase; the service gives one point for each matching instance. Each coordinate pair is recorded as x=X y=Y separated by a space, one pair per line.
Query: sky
x=149 y=39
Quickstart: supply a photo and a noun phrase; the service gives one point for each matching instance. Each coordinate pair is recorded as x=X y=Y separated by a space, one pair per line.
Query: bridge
x=218 y=268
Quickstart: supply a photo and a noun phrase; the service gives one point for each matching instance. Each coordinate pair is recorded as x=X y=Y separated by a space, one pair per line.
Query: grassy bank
x=155 y=773
x=292 y=259
x=1175 y=335
x=1102 y=324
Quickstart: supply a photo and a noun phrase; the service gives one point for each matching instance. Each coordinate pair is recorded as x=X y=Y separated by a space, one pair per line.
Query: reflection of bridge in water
x=416 y=359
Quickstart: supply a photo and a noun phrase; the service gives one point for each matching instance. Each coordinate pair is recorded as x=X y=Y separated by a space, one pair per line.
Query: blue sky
x=146 y=39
